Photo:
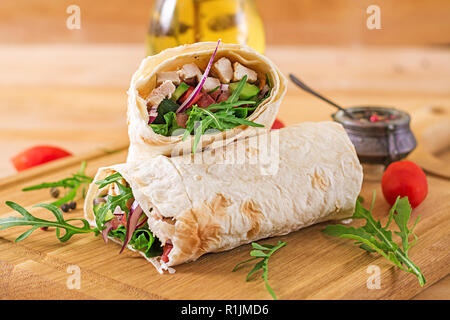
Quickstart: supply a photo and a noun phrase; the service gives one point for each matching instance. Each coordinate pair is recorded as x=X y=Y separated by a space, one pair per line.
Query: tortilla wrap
x=144 y=142
x=217 y=206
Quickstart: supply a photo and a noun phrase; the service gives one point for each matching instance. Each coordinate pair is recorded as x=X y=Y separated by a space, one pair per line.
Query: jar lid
x=375 y=117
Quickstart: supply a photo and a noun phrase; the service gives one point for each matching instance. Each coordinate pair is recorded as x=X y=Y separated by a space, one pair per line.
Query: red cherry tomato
x=37 y=155
x=278 y=124
x=404 y=178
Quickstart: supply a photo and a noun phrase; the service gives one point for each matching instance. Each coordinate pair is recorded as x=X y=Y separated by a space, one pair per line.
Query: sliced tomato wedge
x=166 y=251
x=187 y=94
x=37 y=155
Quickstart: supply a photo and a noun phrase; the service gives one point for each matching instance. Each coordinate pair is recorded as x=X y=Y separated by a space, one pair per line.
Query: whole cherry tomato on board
x=37 y=155
x=278 y=124
x=404 y=178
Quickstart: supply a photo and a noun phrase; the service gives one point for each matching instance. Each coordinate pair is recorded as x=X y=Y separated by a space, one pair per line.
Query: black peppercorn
x=72 y=205
x=54 y=192
x=65 y=207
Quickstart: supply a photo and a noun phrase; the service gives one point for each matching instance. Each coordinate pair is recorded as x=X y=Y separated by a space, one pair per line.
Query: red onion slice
x=199 y=86
x=105 y=231
x=153 y=113
x=133 y=219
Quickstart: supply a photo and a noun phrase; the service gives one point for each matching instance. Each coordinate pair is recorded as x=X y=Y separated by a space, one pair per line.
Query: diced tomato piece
x=166 y=251
x=182 y=119
x=215 y=94
x=223 y=96
x=205 y=101
x=278 y=124
x=37 y=155
x=123 y=220
x=187 y=94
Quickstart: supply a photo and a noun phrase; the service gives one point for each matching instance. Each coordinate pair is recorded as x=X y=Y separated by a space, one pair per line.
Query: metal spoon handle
x=302 y=85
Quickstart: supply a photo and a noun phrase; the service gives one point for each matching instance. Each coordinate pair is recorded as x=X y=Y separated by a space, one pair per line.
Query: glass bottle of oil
x=177 y=22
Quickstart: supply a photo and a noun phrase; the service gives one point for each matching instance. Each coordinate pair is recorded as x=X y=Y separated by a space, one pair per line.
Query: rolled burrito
x=270 y=184
x=165 y=97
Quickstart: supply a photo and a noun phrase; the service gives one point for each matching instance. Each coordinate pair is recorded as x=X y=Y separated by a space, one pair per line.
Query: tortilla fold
x=312 y=174
x=145 y=143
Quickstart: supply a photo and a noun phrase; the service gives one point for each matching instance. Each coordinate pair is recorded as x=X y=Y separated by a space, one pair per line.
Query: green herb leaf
x=76 y=183
x=112 y=202
x=108 y=180
x=216 y=88
x=258 y=253
x=228 y=105
x=236 y=93
x=373 y=237
x=29 y=220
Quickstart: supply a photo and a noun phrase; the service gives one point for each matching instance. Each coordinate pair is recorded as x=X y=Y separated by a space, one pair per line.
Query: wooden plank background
x=287 y=22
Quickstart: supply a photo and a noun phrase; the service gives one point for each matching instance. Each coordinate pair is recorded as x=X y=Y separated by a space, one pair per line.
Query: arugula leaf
x=29 y=220
x=263 y=252
x=143 y=240
x=108 y=180
x=119 y=233
x=236 y=93
x=215 y=89
x=112 y=202
x=373 y=237
x=228 y=105
x=167 y=128
x=77 y=182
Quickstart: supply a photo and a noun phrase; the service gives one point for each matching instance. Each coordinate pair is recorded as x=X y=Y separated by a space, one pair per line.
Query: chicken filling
x=193 y=100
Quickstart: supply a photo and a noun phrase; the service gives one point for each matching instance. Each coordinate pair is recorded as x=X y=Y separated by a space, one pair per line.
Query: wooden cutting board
x=311 y=266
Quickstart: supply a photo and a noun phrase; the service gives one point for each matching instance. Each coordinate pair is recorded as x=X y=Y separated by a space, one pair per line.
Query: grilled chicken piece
x=190 y=71
x=240 y=71
x=165 y=90
x=211 y=83
x=168 y=75
x=223 y=69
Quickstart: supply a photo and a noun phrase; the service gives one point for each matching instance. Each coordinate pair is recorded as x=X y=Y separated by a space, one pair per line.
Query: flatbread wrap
x=173 y=90
x=194 y=208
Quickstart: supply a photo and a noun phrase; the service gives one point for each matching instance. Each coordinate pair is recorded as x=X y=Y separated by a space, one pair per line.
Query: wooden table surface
x=75 y=96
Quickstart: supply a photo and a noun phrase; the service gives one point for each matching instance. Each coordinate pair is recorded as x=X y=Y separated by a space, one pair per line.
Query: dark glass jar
x=380 y=135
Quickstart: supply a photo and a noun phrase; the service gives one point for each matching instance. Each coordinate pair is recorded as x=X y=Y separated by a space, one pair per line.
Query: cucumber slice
x=248 y=91
x=179 y=91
